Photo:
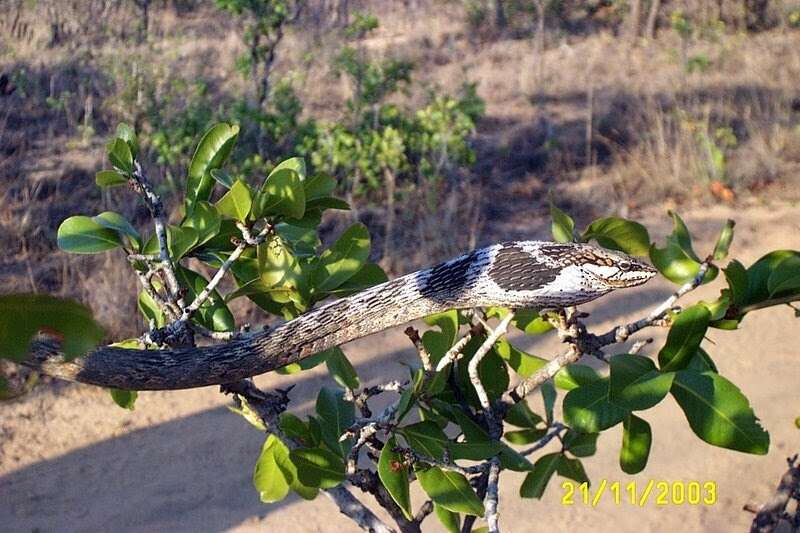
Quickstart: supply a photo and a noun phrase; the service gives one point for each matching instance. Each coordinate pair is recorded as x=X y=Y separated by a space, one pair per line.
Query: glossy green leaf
x=393 y=473
x=179 y=242
x=110 y=178
x=124 y=398
x=318 y=467
x=213 y=314
x=718 y=412
x=295 y=164
x=702 y=362
x=118 y=223
x=677 y=261
x=150 y=310
x=236 y=203
x=447 y=322
x=563 y=227
x=450 y=520
x=319 y=186
x=574 y=376
x=549 y=396
x=82 y=235
x=341 y=370
x=520 y=415
x=127 y=134
x=619 y=234
x=475 y=451
x=571 y=469
x=759 y=273
x=736 y=276
x=336 y=415
x=205 y=220
x=296 y=429
x=281 y=194
x=277 y=265
x=270 y=476
x=684 y=338
x=724 y=241
x=536 y=482
x=522 y=363
x=636 y=440
x=344 y=259
x=589 y=409
x=426 y=438
x=785 y=279
x=368 y=276
x=475 y=434
x=522 y=437
x=222 y=177
x=580 y=444
x=24 y=315
x=636 y=384
x=119 y=153
x=212 y=151
x=451 y=490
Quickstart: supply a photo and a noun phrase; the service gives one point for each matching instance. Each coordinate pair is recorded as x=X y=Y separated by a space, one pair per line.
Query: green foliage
x=22 y=316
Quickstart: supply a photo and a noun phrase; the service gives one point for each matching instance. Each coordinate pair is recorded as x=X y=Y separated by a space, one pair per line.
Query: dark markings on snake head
x=514 y=269
x=448 y=278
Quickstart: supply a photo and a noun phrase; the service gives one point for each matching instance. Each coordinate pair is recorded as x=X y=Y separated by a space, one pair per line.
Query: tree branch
x=769 y=515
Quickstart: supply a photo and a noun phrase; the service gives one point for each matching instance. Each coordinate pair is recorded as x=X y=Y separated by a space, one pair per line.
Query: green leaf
x=549 y=396
x=205 y=220
x=342 y=260
x=341 y=370
x=718 y=412
x=636 y=440
x=393 y=473
x=589 y=409
x=522 y=363
x=118 y=223
x=736 y=276
x=636 y=384
x=150 y=310
x=677 y=261
x=222 y=177
x=573 y=376
x=368 y=276
x=702 y=362
x=281 y=194
x=785 y=279
x=212 y=151
x=110 y=178
x=759 y=274
x=127 y=134
x=179 y=242
x=213 y=314
x=82 y=235
x=295 y=164
x=124 y=398
x=426 y=438
x=580 y=444
x=450 y=520
x=563 y=227
x=270 y=477
x=475 y=451
x=236 y=203
x=451 y=490
x=684 y=338
x=520 y=415
x=524 y=436
x=24 y=315
x=724 y=241
x=319 y=186
x=619 y=234
x=475 y=434
x=571 y=469
x=447 y=322
x=318 y=467
x=119 y=153
x=296 y=429
x=336 y=416
x=536 y=482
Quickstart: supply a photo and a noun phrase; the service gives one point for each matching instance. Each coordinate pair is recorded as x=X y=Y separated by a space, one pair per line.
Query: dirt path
x=72 y=461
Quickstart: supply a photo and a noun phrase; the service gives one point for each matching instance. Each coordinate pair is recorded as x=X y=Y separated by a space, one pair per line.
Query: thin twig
x=557 y=429
x=416 y=340
x=480 y=353
x=491 y=500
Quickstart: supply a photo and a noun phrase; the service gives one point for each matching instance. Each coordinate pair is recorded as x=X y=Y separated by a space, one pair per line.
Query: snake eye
x=625 y=266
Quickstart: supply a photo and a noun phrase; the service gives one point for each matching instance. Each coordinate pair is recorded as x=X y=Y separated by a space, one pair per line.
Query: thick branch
x=770 y=514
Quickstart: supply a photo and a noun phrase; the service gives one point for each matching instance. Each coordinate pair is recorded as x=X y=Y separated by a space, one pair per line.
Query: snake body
x=512 y=274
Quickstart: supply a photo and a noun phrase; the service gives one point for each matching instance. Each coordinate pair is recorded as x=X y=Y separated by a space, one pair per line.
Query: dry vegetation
x=606 y=117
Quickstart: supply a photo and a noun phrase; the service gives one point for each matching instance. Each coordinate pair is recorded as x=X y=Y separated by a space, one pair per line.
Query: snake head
x=608 y=269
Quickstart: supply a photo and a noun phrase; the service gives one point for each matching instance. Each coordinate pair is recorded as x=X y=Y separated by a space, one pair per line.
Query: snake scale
x=521 y=274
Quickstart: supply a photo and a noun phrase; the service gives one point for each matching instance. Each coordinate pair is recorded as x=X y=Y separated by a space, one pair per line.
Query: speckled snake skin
x=513 y=274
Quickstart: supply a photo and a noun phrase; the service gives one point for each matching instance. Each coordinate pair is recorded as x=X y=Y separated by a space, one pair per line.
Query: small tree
x=456 y=422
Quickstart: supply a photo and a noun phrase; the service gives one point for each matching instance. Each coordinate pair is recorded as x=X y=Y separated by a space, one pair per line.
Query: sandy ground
x=72 y=461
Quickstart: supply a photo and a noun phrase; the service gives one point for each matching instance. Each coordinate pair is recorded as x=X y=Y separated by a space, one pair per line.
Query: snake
x=515 y=275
